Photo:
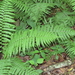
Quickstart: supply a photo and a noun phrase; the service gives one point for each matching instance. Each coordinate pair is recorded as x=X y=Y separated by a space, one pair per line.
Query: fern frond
x=4 y=67
x=15 y=66
x=24 y=40
x=70 y=48
x=30 y=11
x=22 y=5
x=37 y=10
x=20 y=68
x=6 y=20
x=67 y=19
x=21 y=8
x=72 y=2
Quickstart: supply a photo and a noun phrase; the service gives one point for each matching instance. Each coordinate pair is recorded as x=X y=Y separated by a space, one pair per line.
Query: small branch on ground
x=58 y=65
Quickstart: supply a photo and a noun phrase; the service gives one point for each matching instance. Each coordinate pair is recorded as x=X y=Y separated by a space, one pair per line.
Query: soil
x=67 y=70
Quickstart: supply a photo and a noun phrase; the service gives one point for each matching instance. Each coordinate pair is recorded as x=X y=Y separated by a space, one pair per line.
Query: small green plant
x=57 y=49
x=36 y=60
x=37 y=56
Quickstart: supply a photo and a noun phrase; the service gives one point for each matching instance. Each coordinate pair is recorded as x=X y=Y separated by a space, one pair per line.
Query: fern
x=67 y=19
x=73 y=4
x=36 y=36
x=34 y=16
x=70 y=48
x=15 y=66
x=36 y=12
x=30 y=12
x=6 y=20
x=22 y=5
x=21 y=8
x=4 y=67
x=47 y=25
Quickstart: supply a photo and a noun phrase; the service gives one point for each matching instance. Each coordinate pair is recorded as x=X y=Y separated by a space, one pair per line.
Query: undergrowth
x=29 y=24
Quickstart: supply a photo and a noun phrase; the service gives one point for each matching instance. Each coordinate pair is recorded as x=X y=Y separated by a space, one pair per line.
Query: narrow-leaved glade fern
x=70 y=47
x=14 y=66
x=44 y=35
x=22 y=8
x=37 y=12
x=30 y=12
x=67 y=19
x=6 y=20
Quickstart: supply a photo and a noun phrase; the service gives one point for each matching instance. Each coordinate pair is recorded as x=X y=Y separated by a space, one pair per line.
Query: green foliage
x=6 y=20
x=36 y=60
x=38 y=12
x=70 y=48
x=14 y=66
x=67 y=19
x=58 y=49
x=37 y=56
x=42 y=22
x=31 y=14
x=73 y=4
x=41 y=35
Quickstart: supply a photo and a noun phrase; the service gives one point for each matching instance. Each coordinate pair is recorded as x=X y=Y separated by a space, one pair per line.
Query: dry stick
x=58 y=65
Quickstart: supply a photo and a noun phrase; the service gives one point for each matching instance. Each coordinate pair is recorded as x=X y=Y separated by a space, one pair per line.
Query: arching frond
x=21 y=8
x=24 y=40
x=15 y=66
x=70 y=48
x=6 y=20
x=38 y=10
x=67 y=19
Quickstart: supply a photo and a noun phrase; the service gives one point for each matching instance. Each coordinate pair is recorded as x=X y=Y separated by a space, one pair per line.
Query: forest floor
x=61 y=66
x=68 y=69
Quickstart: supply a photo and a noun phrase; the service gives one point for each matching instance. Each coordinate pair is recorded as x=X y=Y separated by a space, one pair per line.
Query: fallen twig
x=58 y=65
